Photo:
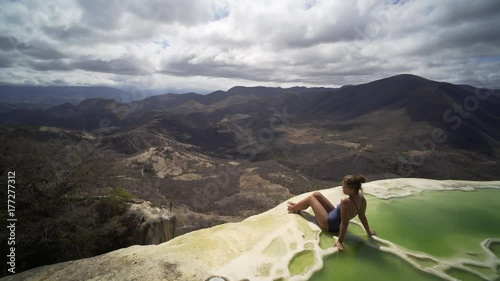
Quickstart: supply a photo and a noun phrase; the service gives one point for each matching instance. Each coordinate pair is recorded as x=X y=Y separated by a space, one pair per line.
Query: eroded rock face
x=157 y=224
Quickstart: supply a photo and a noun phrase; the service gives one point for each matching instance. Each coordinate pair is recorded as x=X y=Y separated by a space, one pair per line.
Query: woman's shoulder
x=345 y=200
x=348 y=200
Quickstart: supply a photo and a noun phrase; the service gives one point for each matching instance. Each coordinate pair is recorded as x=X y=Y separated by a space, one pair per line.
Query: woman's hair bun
x=360 y=178
x=354 y=181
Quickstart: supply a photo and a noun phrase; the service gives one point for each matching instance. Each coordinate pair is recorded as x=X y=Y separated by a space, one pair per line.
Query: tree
x=171 y=201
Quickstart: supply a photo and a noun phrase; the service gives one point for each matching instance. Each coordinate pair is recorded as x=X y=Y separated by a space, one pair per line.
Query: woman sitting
x=335 y=219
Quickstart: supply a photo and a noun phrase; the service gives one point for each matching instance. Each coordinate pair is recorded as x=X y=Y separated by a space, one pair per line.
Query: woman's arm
x=344 y=215
x=364 y=220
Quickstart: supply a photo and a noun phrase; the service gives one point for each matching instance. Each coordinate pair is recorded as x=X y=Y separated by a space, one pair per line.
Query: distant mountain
x=44 y=97
x=6 y=107
x=168 y=101
x=436 y=103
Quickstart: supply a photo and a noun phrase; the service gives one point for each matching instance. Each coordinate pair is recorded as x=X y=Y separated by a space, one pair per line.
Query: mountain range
x=389 y=126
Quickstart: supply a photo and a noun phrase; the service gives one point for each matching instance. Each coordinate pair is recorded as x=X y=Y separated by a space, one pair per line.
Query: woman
x=337 y=219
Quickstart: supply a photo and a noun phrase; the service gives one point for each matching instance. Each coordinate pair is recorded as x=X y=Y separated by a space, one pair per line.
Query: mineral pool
x=430 y=235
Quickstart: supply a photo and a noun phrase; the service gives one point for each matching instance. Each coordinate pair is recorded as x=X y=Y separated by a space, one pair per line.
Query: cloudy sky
x=217 y=44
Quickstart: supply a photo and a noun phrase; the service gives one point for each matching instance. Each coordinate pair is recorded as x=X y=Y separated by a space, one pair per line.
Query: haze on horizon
x=217 y=44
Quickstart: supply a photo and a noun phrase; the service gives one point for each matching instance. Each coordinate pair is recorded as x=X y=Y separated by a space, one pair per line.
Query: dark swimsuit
x=334 y=218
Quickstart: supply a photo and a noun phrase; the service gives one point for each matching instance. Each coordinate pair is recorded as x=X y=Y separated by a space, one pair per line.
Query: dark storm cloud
x=41 y=52
x=74 y=33
x=50 y=65
x=125 y=66
x=35 y=49
x=464 y=29
x=214 y=69
x=478 y=11
x=6 y=61
x=6 y=43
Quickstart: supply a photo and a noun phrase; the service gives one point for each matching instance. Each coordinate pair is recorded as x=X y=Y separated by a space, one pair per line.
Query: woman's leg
x=324 y=202
x=318 y=209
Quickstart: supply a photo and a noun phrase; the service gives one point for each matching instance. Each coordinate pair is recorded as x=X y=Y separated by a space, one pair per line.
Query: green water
x=440 y=223
x=444 y=224
x=301 y=262
x=360 y=262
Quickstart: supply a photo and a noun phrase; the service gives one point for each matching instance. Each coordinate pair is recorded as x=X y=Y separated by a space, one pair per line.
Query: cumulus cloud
x=222 y=43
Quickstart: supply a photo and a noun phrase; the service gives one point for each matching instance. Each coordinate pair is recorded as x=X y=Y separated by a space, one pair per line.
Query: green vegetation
x=63 y=205
x=121 y=193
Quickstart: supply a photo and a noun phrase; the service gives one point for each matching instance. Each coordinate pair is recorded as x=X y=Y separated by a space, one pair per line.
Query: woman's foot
x=291 y=209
